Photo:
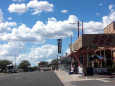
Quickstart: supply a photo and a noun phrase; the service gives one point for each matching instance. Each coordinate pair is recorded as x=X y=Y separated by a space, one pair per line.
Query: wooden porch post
x=78 y=58
x=104 y=58
x=100 y=62
x=87 y=57
x=111 y=55
x=100 y=52
x=83 y=57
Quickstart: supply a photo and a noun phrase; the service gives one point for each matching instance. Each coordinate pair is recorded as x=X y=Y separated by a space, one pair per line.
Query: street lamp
x=78 y=29
x=78 y=23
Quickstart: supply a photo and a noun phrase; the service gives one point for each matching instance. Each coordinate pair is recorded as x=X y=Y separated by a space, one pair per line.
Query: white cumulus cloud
x=111 y=17
x=1 y=16
x=5 y=26
x=64 y=11
x=9 y=18
x=40 y=6
x=45 y=52
x=53 y=29
x=11 y=49
x=17 y=8
x=35 y=5
x=92 y=27
x=22 y=34
x=98 y=27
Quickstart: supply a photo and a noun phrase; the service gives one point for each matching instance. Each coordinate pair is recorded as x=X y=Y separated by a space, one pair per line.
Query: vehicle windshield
x=10 y=67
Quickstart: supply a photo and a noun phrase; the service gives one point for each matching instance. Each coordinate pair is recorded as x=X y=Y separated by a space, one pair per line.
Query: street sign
x=59 y=45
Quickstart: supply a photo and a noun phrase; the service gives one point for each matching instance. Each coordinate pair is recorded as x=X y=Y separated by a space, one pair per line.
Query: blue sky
x=29 y=28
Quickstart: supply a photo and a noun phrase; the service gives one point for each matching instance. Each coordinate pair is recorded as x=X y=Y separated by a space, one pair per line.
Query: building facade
x=95 y=50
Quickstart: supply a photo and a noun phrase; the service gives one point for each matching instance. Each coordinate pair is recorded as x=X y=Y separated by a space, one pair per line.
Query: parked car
x=30 y=71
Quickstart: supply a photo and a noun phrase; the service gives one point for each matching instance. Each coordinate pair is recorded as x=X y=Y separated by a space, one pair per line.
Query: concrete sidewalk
x=65 y=78
x=68 y=78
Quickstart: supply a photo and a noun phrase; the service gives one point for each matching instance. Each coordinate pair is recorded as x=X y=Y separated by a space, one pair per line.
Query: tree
x=4 y=63
x=43 y=63
x=54 y=62
x=25 y=64
x=34 y=68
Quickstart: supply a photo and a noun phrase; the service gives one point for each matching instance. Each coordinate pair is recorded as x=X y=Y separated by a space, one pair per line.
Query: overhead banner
x=59 y=41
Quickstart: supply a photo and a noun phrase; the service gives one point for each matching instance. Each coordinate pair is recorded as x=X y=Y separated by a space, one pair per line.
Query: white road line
x=17 y=78
x=9 y=75
x=5 y=75
x=103 y=80
x=99 y=79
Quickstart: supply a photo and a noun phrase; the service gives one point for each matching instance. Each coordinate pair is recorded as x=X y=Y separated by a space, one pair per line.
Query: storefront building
x=94 y=50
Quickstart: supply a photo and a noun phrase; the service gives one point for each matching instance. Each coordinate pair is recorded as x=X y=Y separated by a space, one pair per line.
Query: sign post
x=59 y=43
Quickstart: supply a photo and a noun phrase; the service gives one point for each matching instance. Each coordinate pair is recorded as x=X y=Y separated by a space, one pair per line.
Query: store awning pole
x=78 y=59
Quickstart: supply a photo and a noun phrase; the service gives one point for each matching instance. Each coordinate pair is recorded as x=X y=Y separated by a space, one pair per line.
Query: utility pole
x=71 y=39
x=78 y=29
x=82 y=28
x=15 y=59
x=78 y=23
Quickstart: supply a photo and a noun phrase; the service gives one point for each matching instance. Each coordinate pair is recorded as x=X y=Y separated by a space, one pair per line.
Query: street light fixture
x=78 y=29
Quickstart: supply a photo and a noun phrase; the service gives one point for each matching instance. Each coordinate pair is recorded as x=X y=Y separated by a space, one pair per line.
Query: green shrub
x=110 y=70
x=85 y=71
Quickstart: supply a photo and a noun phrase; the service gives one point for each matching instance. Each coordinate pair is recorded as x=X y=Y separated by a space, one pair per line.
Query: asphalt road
x=47 y=78
x=99 y=82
